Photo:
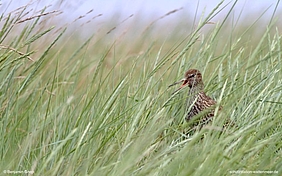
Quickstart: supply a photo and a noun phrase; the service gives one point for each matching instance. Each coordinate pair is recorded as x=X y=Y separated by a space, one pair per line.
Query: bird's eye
x=191 y=76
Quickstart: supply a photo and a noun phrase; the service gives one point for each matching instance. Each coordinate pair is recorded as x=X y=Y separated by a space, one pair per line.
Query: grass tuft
x=102 y=105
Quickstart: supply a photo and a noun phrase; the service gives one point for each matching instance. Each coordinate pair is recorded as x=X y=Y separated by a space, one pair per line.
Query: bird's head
x=192 y=79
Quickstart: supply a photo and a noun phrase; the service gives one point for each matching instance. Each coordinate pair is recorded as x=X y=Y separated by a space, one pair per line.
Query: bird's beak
x=178 y=82
x=183 y=81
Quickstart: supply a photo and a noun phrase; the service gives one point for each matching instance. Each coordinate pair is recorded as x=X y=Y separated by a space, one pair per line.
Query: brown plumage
x=197 y=101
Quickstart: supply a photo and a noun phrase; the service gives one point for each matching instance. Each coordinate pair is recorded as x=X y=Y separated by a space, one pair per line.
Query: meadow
x=99 y=104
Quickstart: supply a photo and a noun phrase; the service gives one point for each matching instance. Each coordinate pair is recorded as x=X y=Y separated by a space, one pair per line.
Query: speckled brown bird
x=197 y=101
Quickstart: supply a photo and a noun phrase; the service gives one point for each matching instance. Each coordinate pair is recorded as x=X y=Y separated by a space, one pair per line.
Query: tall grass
x=103 y=107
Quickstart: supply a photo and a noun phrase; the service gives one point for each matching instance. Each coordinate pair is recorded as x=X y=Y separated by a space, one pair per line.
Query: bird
x=197 y=101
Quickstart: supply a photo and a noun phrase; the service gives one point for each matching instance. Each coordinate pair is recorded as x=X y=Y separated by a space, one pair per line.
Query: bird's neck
x=193 y=94
x=196 y=89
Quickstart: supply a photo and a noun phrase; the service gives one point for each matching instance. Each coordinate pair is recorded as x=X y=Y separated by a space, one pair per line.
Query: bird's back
x=201 y=103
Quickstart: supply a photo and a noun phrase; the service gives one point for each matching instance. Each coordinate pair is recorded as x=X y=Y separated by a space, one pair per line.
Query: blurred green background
x=84 y=87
